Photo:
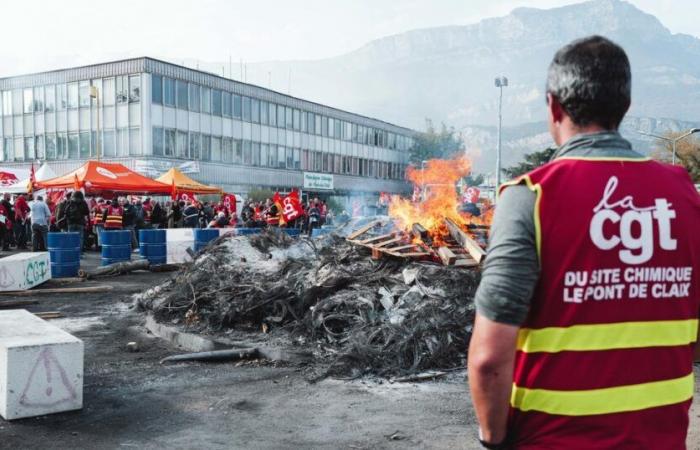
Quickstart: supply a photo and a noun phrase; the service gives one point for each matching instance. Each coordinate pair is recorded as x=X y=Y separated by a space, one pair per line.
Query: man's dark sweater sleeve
x=511 y=269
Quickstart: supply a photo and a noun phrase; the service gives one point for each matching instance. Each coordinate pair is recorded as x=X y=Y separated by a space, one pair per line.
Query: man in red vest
x=587 y=312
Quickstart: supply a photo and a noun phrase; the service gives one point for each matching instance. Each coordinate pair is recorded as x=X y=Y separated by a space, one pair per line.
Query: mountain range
x=447 y=74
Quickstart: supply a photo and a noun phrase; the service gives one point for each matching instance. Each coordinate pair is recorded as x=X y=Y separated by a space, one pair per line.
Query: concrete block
x=24 y=271
x=41 y=367
x=177 y=242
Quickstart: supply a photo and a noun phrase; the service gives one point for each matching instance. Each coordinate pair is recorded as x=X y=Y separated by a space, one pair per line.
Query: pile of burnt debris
x=387 y=316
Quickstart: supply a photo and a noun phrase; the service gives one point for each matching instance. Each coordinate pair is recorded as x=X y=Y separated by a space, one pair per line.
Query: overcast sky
x=39 y=35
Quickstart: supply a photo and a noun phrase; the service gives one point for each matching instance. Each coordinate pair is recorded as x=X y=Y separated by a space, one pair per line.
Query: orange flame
x=440 y=200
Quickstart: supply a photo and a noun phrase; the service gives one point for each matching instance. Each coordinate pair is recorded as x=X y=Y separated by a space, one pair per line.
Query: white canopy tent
x=43 y=173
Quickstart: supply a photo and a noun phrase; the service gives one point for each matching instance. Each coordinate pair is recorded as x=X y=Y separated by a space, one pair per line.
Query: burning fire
x=440 y=200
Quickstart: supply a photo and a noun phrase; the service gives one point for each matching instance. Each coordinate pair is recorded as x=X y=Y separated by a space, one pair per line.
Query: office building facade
x=152 y=115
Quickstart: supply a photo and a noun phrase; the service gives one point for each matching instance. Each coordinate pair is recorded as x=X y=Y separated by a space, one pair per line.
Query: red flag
x=173 y=191
x=76 y=183
x=471 y=195
x=186 y=197
x=229 y=201
x=291 y=207
x=32 y=180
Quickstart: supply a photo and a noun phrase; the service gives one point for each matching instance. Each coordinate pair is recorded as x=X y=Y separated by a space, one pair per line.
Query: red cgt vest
x=604 y=359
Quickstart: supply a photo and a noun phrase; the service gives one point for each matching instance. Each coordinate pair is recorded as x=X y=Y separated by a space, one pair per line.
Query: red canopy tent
x=97 y=177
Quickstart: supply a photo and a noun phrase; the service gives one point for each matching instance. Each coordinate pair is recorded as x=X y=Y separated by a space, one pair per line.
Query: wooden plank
x=409 y=255
x=359 y=232
x=465 y=262
x=447 y=256
x=376 y=238
x=385 y=243
x=465 y=241
x=48 y=315
x=84 y=290
x=421 y=233
x=16 y=303
x=402 y=247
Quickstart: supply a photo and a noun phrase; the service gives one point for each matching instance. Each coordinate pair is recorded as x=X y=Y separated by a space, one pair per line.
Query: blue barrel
x=116 y=246
x=152 y=246
x=203 y=236
x=320 y=232
x=247 y=231
x=64 y=254
x=293 y=232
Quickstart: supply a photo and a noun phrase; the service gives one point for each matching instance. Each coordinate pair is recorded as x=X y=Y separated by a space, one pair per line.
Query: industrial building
x=152 y=115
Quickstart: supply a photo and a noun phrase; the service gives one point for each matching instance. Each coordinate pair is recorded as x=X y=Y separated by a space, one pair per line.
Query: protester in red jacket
x=21 y=212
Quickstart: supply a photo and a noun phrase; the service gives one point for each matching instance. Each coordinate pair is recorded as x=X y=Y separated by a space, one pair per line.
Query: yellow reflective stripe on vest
x=633 y=397
x=609 y=336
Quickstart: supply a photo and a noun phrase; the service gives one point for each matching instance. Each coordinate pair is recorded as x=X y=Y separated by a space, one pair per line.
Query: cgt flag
x=291 y=207
x=229 y=201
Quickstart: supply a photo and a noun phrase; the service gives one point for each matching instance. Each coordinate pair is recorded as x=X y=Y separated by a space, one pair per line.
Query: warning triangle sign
x=48 y=383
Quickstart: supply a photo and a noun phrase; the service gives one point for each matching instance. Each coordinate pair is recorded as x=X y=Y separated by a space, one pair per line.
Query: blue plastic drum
x=152 y=246
x=64 y=254
x=116 y=246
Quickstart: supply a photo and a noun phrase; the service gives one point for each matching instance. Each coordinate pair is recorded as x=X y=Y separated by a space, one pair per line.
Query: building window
x=194 y=97
x=215 y=148
x=331 y=128
x=216 y=102
x=50 y=146
x=157 y=141
x=73 y=147
x=289 y=122
x=311 y=123
x=181 y=87
x=246 y=109
x=273 y=114
x=108 y=91
x=317 y=127
x=39 y=147
x=7 y=103
x=61 y=146
x=84 y=94
x=28 y=101
x=237 y=106
x=169 y=144
x=182 y=144
x=122 y=142
x=280 y=116
x=109 y=145
x=135 y=141
x=304 y=128
x=264 y=113
x=227 y=107
x=237 y=151
x=122 y=89
x=85 y=144
x=281 y=157
x=156 y=89
x=256 y=153
x=29 y=148
x=247 y=153
x=39 y=99
x=195 y=146
x=324 y=126
x=264 y=154
x=297 y=158
x=296 y=120
x=272 y=156
x=206 y=147
x=227 y=151
x=168 y=92
x=255 y=110
x=98 y=85
x=206 y=100
x=134 y=88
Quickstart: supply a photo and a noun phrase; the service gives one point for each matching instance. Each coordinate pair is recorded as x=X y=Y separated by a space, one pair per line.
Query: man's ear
x=555 y=110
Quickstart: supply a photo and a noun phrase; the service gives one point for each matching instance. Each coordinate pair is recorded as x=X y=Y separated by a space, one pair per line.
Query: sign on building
x=318 y=181
x=156 y=167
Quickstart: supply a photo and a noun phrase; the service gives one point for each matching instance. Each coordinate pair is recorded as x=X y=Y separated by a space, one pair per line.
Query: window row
x=56 y=97
x=84 y=145
x=200 y=146
x=193 y=97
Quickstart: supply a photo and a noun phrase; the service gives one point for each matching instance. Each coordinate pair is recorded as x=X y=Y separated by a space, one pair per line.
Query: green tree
x=432 y=143
x=687 y=154
x=532 y=161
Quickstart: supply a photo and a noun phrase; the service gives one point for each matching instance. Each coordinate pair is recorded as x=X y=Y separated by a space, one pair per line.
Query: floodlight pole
x=673 y=141
x=500 y=82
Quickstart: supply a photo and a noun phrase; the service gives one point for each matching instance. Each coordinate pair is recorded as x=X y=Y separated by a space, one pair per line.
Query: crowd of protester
x=26 y=219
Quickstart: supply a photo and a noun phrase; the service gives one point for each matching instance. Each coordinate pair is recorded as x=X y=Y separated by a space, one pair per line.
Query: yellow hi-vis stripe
x=633 y=397
x=609 y=336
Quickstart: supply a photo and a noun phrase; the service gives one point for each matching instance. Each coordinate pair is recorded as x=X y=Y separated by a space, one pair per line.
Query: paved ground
x=131 y=401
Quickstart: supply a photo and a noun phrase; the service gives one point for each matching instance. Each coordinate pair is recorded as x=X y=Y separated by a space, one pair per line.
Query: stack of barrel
x=203 y=236
x=64 y=254
x=116 y=246
x=152 y=246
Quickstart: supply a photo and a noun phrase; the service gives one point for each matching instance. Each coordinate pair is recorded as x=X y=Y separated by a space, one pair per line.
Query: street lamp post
x=673 y=141
x=95 y=93
x=500 y=82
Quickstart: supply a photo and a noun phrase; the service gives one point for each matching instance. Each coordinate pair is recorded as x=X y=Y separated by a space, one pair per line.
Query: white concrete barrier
x=41 y=367
x=177 y=242
x=24 y=271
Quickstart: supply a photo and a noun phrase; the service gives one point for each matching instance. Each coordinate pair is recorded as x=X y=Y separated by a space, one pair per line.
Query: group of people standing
x=26 y=219
x=267 y=214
